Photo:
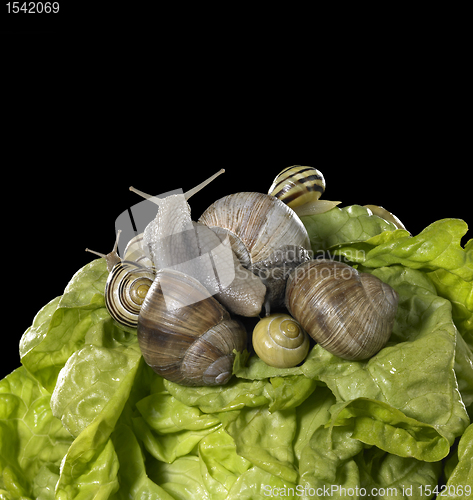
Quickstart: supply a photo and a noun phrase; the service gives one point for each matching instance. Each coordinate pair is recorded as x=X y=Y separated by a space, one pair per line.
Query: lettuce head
x=84 y=417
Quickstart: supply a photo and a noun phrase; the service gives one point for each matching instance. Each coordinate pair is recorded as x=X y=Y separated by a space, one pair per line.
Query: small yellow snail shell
x=300 y=187
x=186 y=335
x=350 y=314
x=280 y=341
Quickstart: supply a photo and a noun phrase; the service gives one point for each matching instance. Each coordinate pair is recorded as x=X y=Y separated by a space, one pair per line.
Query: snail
x=111 y=258
x=384 y=214
x=125 y=290
x=300 y=187
x=280 y=341
x=265 y=234
x=349 y=313
x=127 y=285
x=185 y=334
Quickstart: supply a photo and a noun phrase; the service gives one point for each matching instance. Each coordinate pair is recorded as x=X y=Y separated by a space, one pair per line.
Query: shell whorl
x=280 y=341
x=262 y=224
x=125 y=291
x=348 y=313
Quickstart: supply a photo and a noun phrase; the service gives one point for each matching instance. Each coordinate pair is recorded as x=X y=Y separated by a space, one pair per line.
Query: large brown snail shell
x=185 y=334
x=349 y=313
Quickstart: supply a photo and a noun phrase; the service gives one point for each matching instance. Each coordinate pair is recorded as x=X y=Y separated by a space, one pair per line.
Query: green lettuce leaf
x=265 y=439
x=86 y=418
x=376 y=423
x=460 y=481
x=392 y=476
x=438 y=246
x=342 y=225
x=460 y=294
x=95 y=384
x=32 y=441
x=327 y=463
x=233 y=396
x=180 y=480
x=133 y=478
x=60 y=328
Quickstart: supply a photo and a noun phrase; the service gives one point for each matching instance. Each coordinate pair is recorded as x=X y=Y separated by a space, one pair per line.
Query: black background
x=87 y=114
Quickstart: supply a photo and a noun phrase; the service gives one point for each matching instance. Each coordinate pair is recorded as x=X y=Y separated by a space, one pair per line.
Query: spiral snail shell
x=349 y=313
x=300 y=187
x=125 y=291
x=186 y=335
x=265 y=234
x=280 y=341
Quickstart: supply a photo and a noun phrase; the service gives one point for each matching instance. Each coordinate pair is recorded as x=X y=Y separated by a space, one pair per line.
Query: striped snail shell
x=349 y=313
x=186 y=335
x=125 y=291
x=280 y=341
x=265 y=234
x=300 y=187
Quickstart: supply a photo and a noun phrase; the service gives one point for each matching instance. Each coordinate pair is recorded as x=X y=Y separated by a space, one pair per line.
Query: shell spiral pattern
x=298 y=185
x=349 y=313
x=126 y=288
x=186 y=335
x=280 y=341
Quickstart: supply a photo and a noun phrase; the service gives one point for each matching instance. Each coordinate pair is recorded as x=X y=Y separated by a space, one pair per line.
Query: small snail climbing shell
x=297 y=185
x=350 y=314
x=280 y=341
x=185 y=334
x=300 y=187
x=125 y=290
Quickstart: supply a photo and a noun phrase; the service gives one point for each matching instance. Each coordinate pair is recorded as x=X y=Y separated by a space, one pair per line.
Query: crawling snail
x=300 y=187
x=349 y=313
x=280 y=341
x=127 y=284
